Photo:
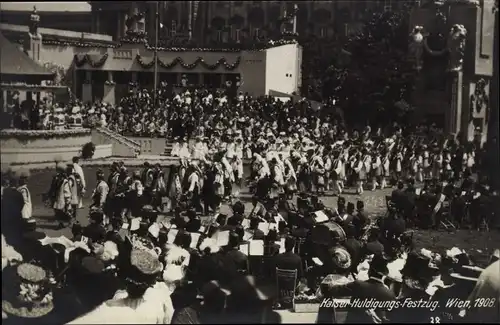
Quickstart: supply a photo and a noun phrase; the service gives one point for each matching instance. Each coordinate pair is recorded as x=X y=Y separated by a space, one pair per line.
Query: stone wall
x=25 y=147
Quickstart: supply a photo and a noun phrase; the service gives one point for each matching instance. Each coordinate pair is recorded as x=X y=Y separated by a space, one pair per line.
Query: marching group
x=185 y=270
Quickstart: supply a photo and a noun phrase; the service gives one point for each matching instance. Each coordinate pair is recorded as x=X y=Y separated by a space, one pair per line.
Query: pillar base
x=87 y=92
x=109 y=94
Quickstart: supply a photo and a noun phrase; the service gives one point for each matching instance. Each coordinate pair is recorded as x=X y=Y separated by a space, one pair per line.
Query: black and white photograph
x=250 y=162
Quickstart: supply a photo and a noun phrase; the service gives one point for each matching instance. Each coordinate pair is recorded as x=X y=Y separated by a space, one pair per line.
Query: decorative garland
x=80 y=44
x=87 y=59
x=46 y=134
x=139 y=40
x=190 y=66
x=143 y=64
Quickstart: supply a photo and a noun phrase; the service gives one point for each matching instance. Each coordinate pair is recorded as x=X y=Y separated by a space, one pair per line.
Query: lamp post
x=156 y=54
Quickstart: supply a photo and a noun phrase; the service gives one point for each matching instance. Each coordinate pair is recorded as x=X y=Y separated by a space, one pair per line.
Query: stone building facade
x=234 y=21
x=453 y=48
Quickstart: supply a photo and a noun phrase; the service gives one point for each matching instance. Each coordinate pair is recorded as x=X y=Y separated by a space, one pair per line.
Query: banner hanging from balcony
x=189 y=66
x=87 y=59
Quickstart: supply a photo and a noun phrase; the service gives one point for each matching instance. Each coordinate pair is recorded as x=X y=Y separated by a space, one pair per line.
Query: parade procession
x=212 y=192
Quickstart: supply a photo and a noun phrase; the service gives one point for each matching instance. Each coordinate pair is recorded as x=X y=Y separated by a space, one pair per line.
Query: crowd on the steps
x=146 y=266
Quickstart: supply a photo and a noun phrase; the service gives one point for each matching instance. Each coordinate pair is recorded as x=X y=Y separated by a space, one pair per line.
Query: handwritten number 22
x=435 y=320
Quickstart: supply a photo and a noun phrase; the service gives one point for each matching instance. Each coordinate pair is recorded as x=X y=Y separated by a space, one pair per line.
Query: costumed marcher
x=101 y=191
x=27 y=210
x=74 y=188
x=81 y=180
x=61 y=197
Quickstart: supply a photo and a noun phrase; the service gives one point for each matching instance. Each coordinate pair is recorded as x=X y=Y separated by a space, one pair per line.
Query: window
x=237 y=34
x=238 y=3
x=219 y=35
x=173 y=30
x=387 y=5
x=323 y=32
x=220 y=5
x=256 y=32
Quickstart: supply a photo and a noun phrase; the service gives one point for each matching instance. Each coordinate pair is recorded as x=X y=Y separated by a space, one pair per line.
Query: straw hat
x=38 y=302
x=341 y=258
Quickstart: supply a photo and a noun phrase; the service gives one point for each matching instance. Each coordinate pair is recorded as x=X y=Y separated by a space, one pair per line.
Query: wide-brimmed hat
x=341 y=258
x=145 y=262
x=30 y=274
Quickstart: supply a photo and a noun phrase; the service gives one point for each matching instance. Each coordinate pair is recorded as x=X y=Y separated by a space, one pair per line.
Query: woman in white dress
x=145 y=301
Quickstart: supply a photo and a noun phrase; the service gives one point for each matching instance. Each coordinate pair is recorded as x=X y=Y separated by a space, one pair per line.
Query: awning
x=17 y=63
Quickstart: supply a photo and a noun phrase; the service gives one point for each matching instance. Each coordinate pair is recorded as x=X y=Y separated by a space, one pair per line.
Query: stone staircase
x=122 y=146
x=168 y=148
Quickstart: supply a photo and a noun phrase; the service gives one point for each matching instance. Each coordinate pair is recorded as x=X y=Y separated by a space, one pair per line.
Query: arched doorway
x=321 y=18
x=218 y=23
x=237 y=21
x=256 y=17
x=217 y=26
x=170 y=20
x=274 y=15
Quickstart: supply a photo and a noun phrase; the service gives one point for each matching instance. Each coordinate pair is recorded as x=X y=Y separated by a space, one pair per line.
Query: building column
x=223 y=80
x=98 y=22
x=493 y=128
x=453 y=116
x=151 y=20
x=120 y=28
x=109 y=90
x=87 y=87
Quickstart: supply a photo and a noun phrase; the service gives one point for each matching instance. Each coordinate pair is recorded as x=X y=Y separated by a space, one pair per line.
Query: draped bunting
x=141 y=40
x=189 y=66
x=87 y=59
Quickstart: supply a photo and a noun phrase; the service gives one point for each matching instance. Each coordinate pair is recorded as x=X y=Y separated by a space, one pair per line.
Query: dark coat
x=12 y=205
x=239 y=259
x=362 y=291
x=355 y=249
x=289 y=261
x=374 y=247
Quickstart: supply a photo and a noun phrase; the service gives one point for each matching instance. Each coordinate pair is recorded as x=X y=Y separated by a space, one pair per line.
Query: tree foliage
x=377 y=72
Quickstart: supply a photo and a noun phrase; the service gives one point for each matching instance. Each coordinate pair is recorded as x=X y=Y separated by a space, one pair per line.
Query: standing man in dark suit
x=233 y=253
x=238 y=214
x=354 y=247
x=373 y=244
x=398 y=195
x=361 y=219
x=289 y=260
x=254 y=228
x=362 y=291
